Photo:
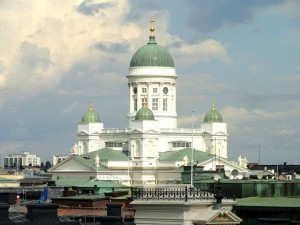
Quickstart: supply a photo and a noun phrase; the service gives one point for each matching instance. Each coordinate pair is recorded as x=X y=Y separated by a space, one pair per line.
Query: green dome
x=144 y=114
x=213 y=115
x=152 y=55
x=90 y=116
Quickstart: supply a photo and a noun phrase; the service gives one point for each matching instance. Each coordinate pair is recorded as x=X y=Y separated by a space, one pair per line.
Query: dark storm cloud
x=32 y=56
x=208 y=15
x=111 y=47
x=88 y=7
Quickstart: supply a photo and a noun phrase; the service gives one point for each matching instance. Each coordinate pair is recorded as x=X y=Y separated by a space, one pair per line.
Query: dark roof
x=282 y=168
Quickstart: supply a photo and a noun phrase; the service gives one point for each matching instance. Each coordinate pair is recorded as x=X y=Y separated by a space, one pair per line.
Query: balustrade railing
x=182 y=194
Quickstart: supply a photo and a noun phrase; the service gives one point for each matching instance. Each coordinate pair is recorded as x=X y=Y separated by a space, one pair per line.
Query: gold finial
x=213 y=105
x=152 y=27
x=91 y=105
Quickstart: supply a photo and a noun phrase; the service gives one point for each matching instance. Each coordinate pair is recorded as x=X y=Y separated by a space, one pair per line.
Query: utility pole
x=192 y=153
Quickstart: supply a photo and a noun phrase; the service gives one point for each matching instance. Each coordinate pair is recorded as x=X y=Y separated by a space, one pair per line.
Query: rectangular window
x=165 y=104
x=155 y=104
x=135 y=104
x=144 y=90
x=154 y=90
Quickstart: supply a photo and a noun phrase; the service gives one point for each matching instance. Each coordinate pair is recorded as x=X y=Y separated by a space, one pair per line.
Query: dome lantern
x=213 y=115
x=144 y=113
x=90 y=116
x=152 y=54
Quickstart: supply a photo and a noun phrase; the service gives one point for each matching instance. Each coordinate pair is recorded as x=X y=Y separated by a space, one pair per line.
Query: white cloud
x=42 y=40
x=202 y=51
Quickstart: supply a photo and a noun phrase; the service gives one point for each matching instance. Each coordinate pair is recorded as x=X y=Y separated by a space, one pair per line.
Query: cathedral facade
x=152 y=141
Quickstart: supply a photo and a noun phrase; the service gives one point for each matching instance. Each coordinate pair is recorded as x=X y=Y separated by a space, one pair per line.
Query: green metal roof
x=152 y=55
x=85 y=182
x=269 y=202
x=89 y=162
x=213 y=115
x=107 y=154
x=178 y=155
x=90 y=116
x=144 y=114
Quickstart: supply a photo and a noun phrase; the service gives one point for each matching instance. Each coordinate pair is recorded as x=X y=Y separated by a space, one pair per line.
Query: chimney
x=114 y=209
x=4 y=215
x=42 y=212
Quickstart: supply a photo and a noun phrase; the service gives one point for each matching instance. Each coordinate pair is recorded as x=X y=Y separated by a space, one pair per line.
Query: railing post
x=186 y=194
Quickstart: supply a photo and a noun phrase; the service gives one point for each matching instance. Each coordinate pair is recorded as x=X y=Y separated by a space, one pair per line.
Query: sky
x=57 y=55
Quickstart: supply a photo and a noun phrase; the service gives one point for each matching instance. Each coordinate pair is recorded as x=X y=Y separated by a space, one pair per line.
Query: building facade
x=23 y=159
x=152 y=90
x=152 y=141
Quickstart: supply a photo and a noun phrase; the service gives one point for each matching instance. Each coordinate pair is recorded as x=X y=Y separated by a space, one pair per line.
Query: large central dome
x=152 y=54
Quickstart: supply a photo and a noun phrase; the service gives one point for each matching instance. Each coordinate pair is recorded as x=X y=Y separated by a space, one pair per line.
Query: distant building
x=23 y=159
x=57 y=159
x=280 y=171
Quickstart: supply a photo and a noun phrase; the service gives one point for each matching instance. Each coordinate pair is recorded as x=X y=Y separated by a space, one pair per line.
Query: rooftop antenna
x=227 y=173
x=217 y=177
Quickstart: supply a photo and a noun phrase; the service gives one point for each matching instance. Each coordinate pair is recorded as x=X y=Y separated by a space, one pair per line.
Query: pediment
x=86 y=133
x=230 y=165
x=71 y=164
x=221 y=216
x=82 y=133
x=216 y=133
x=151 y=131
x=220 y=133
x=135 y=131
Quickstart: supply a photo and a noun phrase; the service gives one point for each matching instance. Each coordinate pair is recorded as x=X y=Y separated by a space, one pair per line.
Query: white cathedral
x=152 y=149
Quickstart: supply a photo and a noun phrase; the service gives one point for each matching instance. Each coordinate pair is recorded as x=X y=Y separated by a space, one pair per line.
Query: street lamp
x=192 y=155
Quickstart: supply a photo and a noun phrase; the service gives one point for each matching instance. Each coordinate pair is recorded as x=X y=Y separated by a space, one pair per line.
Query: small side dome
x=90 y=116
x=213 y=115
x=152 y=54
x=144 y=114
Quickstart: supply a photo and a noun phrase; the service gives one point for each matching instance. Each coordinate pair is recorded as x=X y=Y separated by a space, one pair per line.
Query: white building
x=152 y=140
x=23 y=159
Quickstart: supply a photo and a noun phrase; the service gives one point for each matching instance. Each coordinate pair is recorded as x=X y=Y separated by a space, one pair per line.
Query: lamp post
x=192 y=155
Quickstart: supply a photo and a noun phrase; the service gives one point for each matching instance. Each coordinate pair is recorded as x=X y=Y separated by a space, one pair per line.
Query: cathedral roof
x=144 y=114
x=213 y=115
x=90 y=116
x=152 y=54
x=179 y=154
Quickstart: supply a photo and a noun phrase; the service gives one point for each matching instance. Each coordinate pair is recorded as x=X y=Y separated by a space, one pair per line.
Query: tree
x=47 y=166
